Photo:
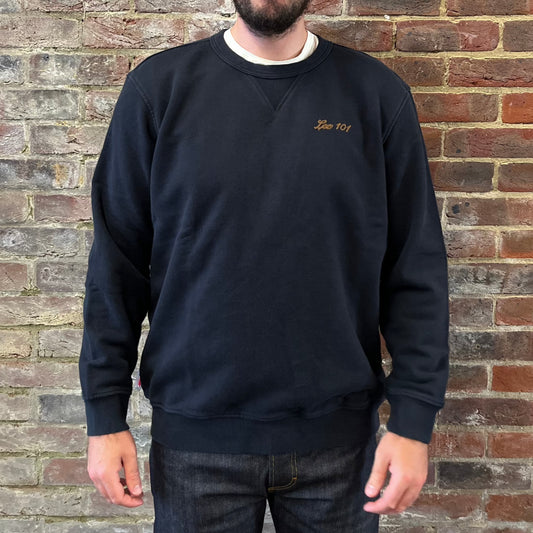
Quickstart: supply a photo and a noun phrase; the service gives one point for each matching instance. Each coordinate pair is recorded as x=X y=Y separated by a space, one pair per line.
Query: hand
x=407 y=461
x=106 y=455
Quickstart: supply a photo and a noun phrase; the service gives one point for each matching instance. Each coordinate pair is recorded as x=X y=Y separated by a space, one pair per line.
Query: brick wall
x=470 y=65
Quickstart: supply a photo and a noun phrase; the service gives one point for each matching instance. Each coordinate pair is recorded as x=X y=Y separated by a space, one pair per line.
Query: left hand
x=407 y=461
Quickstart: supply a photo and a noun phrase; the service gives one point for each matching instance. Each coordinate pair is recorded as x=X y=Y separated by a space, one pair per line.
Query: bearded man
x=263 y=196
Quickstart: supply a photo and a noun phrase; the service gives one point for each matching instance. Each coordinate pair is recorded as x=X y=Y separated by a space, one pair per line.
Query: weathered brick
x=13 y=276
x=91 y=526
x=491 y=345
x=517 y=244
x=37 y=103
x=99 y=105
x=18 y=471
x=516 y=177
x=22 y=525
x=482 y=412
x=441 y=35
x=417 y=71
x=474 y=312
x=39 y=174
x=179 y=6
x=512 y=507
x=393 y=7
x=489 y=7
x=518 y=108
x=433 y=141
x=42 y=439
x=15 y=407
x=467 y=378
x=510 y=444
x=448 y=107
x=10 y=6
x=60 y=342
x=15 y=344
x=457 y=444
x=490 y=211
x=511 y=378
x=366 y=35
x=485 y=142
x=469 y=475
x=325 y=7
x=199 y=27
x=67 y=139
x=62 y=208
x=14 y=207
x=495 y=72
x=470 y=243
x=61 y=277
x=447 y=506
x=490 y=278
x=45 y=310
x=11 y=139
x=61 y=408
x=66 y=471
x=518 y=35
x=11 y=70
x=467 y=176
x=83 y=69
x=54 y=5
x=107 y=5
x=514 y=311
x=39 y=31
x=39 y=374
x=57 y=242
x=127 y=32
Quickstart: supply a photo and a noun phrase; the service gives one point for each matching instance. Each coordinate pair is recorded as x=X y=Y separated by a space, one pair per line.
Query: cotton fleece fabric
x=269 y=236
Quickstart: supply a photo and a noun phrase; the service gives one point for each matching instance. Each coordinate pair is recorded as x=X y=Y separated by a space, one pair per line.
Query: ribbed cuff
x=411 y=418
x=106 y=414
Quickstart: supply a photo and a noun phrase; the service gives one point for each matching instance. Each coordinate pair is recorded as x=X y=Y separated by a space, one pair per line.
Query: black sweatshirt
x=270 y=220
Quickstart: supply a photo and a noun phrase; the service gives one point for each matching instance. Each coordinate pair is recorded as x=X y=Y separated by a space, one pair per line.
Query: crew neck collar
x=222 y=49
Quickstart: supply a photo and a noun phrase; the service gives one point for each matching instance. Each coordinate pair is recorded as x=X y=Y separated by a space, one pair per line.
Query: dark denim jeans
x=317 y=492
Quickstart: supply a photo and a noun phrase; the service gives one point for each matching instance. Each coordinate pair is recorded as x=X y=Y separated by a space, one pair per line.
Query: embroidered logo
x=325 y=125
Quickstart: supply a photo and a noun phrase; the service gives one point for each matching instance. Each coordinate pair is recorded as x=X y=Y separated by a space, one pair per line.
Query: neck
x=275 y=47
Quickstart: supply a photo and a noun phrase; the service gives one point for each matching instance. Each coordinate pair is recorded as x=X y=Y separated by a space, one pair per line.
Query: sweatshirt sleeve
x=414 y=314
x=117 y=286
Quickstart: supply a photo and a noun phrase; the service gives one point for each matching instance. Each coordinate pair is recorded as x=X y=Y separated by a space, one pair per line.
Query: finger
x=378 y=475
x=392 y=497
x=131 y=471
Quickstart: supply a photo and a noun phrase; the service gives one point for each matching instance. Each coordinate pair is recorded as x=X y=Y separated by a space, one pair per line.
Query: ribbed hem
x=106 y=414
x=411 y=418
x=239 y=435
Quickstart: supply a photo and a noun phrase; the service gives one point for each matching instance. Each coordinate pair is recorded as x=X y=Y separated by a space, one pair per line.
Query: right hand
x=106 y=455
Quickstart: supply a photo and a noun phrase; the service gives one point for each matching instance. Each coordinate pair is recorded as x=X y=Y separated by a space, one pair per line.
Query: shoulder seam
x=396 y=116
x=140 y=90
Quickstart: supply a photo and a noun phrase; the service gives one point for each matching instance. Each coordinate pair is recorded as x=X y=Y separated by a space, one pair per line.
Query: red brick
x=11 y=139
x=34 y=310
x=38 y=374
x=107 y=5
x=447 y=107
x=42 y=439
x=447 y=506
x=15 y=344
x=54 y=5
x=467 y=378
x=485 y=142
x=510 y=507
x=417 y=71
x=325 y=7
x=99 y=105
x=512 y=378
x=15 y=407
x=510 y=444
x=518 y=36
x=489 y=7
x=441 y=35
x=39 y=31
x=496 y=72
x=518 y=108
x=516 y=177
x=200 y=27
x=470 y=243
x=466 y=176
x=476 y=312
x=127 y=32
x=457 y=444
x=393 y=7
x=65 y=471
x=433 y=140
x=62 y=208
x=179 y=6
x=514 y=311
x=490 y=211
x=13 y=276
x=14 y=207
x=83 y=139
x=517 y=244
x=366 y=35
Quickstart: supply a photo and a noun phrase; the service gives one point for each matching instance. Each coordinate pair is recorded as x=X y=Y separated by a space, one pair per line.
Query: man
x=264 y=195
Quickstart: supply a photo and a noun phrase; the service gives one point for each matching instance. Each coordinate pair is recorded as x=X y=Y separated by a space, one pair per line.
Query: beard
x=274 y=18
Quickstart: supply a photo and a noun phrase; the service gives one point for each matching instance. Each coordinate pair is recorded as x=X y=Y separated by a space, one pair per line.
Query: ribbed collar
x=222 y=49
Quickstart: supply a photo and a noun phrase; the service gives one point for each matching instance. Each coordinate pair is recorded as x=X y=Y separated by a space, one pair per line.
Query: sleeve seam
x=146 y=101
x=396 y=116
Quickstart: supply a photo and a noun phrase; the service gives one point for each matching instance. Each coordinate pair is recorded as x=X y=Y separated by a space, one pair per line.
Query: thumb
x=377 y=476
x=131 y=472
